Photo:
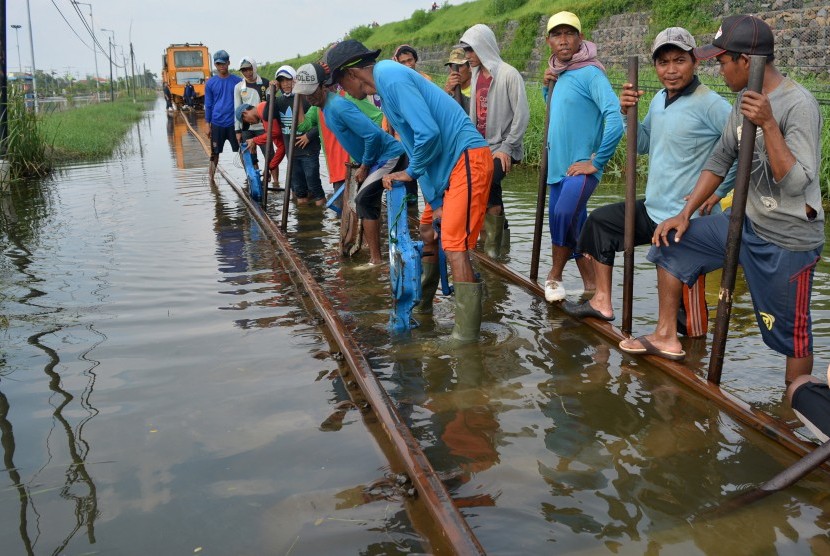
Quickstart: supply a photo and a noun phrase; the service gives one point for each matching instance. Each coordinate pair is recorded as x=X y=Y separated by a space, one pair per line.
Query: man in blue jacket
x=447 y=155
x=219 y=112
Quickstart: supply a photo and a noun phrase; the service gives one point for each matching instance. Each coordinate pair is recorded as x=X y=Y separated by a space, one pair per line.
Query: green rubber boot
x=505 y=241
x=494 y=226
x=429 y=285
x=467 y=311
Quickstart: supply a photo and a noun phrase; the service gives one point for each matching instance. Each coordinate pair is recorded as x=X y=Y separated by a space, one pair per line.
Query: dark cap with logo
x=743 y=34
x=349 y=53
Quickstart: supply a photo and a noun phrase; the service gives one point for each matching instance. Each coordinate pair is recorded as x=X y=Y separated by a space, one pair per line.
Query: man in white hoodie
x=251 y=90
x=499 y=110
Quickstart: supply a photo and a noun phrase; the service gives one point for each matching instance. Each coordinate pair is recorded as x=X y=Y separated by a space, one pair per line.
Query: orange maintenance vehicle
x=184 y=64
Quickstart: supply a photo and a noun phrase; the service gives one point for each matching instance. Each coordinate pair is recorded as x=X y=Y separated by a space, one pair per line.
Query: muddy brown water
x=164 y=388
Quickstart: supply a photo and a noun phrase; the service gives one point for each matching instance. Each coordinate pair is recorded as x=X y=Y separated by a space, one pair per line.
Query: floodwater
x=164 y=387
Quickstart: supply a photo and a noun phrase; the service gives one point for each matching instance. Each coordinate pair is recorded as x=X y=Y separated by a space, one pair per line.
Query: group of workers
x=459 y=142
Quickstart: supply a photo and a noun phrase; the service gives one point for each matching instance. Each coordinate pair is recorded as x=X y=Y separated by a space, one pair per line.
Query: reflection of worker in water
x=189 y=93
x=168 y=98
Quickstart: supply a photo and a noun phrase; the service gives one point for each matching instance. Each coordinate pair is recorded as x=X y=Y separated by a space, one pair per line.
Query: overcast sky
x=269 y=30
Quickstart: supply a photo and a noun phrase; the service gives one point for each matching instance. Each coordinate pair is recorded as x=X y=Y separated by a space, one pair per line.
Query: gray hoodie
x=507 y=108
x=244 y=93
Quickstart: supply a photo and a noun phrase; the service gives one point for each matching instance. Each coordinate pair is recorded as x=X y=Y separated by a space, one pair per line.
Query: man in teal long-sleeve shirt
x=585 y=127
x=683 y=125
x=447 y=155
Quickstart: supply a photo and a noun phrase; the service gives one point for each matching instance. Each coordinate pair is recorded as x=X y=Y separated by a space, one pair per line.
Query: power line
x=76 y=33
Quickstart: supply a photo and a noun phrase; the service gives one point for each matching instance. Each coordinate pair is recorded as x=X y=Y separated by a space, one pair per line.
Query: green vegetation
x=91 y=131
x=443 y=28
x=26 y=148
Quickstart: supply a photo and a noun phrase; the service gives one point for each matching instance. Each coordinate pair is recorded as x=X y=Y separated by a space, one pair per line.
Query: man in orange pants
x=448 y=157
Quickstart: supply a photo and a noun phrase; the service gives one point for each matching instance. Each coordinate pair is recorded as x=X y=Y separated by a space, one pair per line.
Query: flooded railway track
x=772 y=427
x=449 y=530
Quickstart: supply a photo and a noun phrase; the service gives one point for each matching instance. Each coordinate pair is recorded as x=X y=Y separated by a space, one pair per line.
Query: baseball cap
x=222 y=57
x=309 y=77
x=456 y=57
x=347 y=53
x=240 y=109
x=245 y=63
x=564 y=18
x=285 y=71
x=744 y=34
x=675 y=36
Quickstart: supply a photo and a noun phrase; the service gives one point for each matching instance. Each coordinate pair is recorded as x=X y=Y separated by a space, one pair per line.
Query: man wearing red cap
x=783 y=233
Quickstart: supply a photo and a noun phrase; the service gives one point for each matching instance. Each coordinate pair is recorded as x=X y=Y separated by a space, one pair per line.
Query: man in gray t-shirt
x=783 y=233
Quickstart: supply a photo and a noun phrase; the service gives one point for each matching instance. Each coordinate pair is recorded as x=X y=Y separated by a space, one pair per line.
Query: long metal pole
x=4 y=98
x=32 y=48
x=94 y=48
x=269 y=144
x=630 y=202
x=290 y=166
x=784 y=479
x=17 y=39
x=736 y=222
x=541 y=197
x=132 y=68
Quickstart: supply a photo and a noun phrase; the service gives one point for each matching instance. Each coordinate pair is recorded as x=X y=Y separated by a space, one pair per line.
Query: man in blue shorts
x=219 y=111
x=783 y=233
x=368 y=145
x=585 y=127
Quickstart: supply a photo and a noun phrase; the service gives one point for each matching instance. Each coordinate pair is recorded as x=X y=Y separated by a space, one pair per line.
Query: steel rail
x=770 y=426
x=452 y=531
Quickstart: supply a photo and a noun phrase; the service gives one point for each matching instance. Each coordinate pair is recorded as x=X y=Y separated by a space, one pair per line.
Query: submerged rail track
x=456 y=533
x=449 y=530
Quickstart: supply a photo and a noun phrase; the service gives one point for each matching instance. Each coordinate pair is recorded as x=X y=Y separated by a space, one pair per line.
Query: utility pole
x=4 y=99
x=132 y=66
x=94 y=49
x=32 y=48
x=109 y=42
x=17 y=39
x=124 y=63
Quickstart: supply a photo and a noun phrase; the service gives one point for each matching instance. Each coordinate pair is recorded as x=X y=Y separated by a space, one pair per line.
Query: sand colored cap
x=457 y=56
x=674 y=36
x=564 y=18
x=743 y=34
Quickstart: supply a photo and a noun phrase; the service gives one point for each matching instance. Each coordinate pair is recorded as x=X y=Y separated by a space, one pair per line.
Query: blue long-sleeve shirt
x=219 y=100
x=365 y=142
x=585 y=121
x=679 y=139
x=432 y=127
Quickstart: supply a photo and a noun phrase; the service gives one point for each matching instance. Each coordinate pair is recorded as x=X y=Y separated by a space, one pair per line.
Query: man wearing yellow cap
x=585 y=127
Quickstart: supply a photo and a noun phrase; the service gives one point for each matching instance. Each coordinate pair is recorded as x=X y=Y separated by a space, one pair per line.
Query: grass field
x=91 y=131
